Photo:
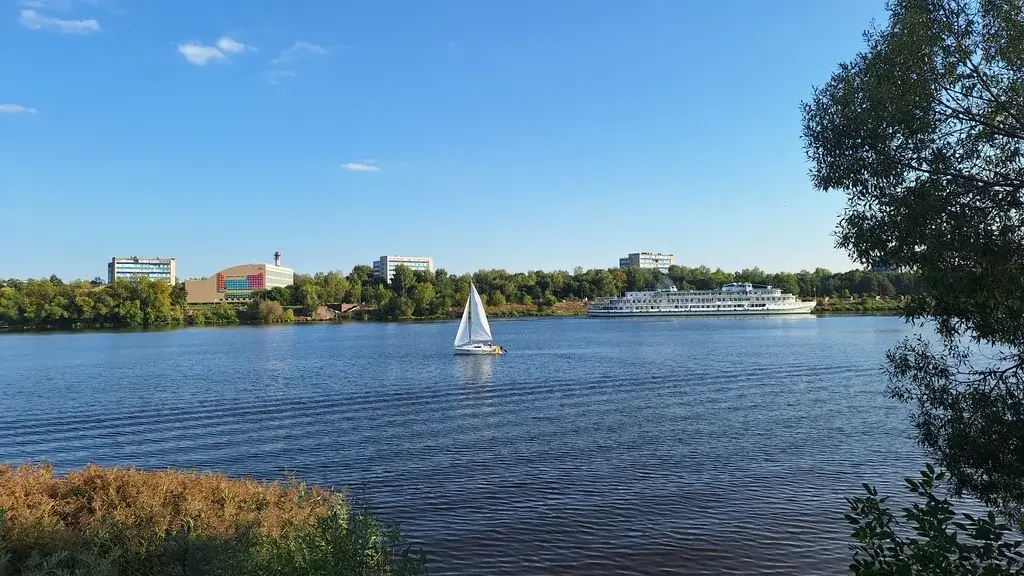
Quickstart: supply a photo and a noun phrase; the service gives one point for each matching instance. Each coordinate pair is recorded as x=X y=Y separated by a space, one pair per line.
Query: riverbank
x=859 y=306
x=567 y=308
x=233 y=315
x=127 y=521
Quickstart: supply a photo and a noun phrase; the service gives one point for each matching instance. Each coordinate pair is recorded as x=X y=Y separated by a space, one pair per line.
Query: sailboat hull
x=478 y=350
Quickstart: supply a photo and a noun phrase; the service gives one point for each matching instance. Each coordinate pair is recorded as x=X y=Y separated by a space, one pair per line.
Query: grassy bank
x=106 y=521
x=859 y=306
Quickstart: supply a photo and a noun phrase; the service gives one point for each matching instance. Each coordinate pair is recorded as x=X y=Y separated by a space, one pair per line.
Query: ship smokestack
x=277 y=258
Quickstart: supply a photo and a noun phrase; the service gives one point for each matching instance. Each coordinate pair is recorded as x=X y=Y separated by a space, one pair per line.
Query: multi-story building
x=127 y=267
x=237 y=283
x=658 y=261
x=385 y=267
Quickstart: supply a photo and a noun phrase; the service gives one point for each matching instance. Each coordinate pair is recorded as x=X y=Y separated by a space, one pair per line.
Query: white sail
x=480 y=330
x=462 y=336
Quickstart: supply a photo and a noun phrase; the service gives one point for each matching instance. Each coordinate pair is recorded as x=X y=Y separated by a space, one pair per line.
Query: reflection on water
x=704 y=446
x=476 y=370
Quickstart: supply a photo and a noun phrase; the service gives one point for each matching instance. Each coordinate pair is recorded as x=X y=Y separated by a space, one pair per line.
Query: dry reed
x=135 y=520
x=211 y=504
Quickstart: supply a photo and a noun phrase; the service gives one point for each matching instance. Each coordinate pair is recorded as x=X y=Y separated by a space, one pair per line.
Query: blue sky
x=518 y=135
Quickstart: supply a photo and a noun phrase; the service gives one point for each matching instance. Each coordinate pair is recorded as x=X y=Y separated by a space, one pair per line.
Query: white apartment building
x=656 y=260
x=127 y=267
x=385 y=266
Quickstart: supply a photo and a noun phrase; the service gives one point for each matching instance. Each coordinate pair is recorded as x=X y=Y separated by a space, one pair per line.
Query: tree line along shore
x=51 y=303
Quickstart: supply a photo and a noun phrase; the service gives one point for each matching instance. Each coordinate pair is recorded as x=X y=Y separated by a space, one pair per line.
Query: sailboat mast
x=469 y=304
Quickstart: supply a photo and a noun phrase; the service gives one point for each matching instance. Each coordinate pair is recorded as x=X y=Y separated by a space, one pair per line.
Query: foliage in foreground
x=941 y=545
x=924 y=133
x=104 y=521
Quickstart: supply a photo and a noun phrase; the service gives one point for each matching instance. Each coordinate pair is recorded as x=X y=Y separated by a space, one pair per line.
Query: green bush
x=940 y=545
x=269 y=312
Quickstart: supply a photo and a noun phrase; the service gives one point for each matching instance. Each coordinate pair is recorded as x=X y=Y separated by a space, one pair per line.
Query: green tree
x=279 y=294
x=129 y=313
x=924 y=132
x=787 y=283
x=496 y=299
x=361 y=282
x=179 y=295
x=885 y=288
x=402 y=280
x=641 y=279
x=354 y=293
x=10 y=304
x=311 y=297
x=157 y=299
x=399 y=307
x=423 y=299
x=333 y=286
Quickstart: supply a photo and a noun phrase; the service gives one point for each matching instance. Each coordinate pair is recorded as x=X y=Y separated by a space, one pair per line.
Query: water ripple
x=703 y=446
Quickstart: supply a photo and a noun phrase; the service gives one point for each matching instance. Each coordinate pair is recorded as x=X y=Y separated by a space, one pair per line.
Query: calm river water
x=649 y=446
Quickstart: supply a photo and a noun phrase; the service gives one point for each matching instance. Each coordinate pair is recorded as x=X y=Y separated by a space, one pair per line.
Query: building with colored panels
x=237 y=283
x=127 y=267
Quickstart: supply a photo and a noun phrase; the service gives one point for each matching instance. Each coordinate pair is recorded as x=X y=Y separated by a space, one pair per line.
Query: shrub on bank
x=269 y=312
x=927 y=539
x=862 y=305
x=106 y=521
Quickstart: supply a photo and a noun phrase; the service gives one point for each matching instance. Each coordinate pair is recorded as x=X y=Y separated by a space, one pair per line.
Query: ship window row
x=699 y=307
x=724 y=300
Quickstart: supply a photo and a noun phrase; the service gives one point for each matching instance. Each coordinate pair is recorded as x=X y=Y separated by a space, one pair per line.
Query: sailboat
x=474 y=335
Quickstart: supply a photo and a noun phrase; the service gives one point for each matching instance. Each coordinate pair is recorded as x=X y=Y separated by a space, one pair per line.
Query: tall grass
x=109 y=521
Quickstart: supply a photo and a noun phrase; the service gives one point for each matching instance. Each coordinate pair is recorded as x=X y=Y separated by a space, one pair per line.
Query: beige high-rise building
x=236 y=284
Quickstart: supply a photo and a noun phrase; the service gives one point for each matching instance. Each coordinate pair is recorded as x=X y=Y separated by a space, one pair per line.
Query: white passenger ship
x=731 y=299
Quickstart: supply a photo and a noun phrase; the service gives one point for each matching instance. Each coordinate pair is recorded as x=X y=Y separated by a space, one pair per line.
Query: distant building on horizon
x=656 y=260
x=237 y=283
x=385 y=266
x=127 y=267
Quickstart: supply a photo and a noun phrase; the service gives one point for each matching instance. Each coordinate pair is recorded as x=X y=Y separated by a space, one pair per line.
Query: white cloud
x=232 y=46
x=36 y=21
x=201 y=54
x=366 y=166
x=16 y=109
x=298 y=50
x=59 y=5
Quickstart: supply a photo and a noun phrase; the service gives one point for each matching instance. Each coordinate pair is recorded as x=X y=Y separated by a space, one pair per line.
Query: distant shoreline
x=540 y=315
